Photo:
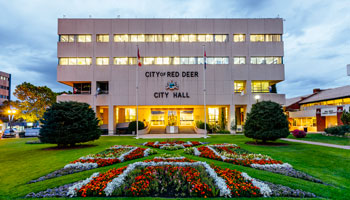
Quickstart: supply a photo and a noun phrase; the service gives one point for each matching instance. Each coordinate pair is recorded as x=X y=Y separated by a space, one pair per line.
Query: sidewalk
x=162 y=136
x=317 y=143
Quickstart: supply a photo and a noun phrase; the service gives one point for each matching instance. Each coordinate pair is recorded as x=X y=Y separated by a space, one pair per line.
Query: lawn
x=324 y=139
x=22 y=162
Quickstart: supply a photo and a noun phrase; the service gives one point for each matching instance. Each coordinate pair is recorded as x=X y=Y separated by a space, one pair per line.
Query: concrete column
x=93 y=94
x=231 y=118
x=111 y=120
x=339 y=114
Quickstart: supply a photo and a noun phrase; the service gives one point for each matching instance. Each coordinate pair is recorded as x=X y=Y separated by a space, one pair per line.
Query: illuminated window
x=84 y=38
x=176 y=60
x=102 y=38
x=175 y=38
x=84 y=61
x=75 y=61
x=102 y=61
x=167 y=38
x=121 y=38
x=130 y=114
x=239 y=86
x=183 y=61
x=158 y=38
x=201 y=38
x=220 y=38
x=210 y=60
x=184 y=38
x=192 y=60
x=213 y=115
x=273 y=37
x=81 y=88
x=257 y=38
x=192 y=38
x=66 y=38
x=239 y=60
x=260 y=87
x=120 y=61
x=238 y=37
x=148 y=61
x=277 y=60
x=209 y=38
x=159 y=61
x=141 y=38
x=166 y=61
x=133 y=38
x=132 y=61
x=266 y=60
x=63 y=61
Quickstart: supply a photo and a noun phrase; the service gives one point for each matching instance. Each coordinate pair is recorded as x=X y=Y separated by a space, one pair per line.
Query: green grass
x=22 y=162
x=324 y=139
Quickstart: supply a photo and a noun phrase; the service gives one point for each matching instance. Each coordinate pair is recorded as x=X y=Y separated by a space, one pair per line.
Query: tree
x=33 y=101
x=266 y=121
x=132 y=126
x=345 y=117
x=69 y=123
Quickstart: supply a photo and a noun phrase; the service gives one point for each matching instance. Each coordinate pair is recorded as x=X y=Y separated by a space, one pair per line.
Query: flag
x=205 y=60
x=138 y=58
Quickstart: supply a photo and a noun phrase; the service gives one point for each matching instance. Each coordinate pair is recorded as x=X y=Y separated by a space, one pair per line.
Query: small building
x=319 y=110
x=5 y=87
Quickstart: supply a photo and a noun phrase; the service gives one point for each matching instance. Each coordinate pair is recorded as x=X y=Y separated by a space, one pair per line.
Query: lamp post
x=11 y=113
x=257 y=97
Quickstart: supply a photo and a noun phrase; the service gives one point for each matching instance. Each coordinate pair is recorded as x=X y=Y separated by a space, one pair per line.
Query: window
x=273 y=37
x=238 y=37
x=132 y=61
x=166 y=61
x=183 y=61
x=239 y=86
x=192 y=60
x=192 y=38
x=239 y=60
x=184 y=38
x=175 y=38
x=176 y=60
x=121 y=38
x=84 y=38
x=102 y=61
x=213 y=115
x=220 y=38
x=266 y=60
x=260 y=87
x=130 y=114
x=209 y=38
x=201 y=38
x=121 y=61
x=102 y=38
x=159 y=61
x=257 y=38
x=167 y=38
x=102 y=87
x=66 y=38
x=75 y=61
x=81 y=88
x=148 y=61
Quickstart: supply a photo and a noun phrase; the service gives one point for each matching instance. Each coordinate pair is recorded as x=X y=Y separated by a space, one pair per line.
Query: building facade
x=98 y=59
x=319 y=110
x=5 y=87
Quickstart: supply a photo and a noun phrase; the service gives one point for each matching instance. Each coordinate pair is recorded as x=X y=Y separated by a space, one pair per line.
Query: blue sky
x=316 y=34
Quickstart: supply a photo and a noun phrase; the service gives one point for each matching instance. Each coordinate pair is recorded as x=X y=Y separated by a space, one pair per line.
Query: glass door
x=157 y=118
x=186 y=118
x=172 y=118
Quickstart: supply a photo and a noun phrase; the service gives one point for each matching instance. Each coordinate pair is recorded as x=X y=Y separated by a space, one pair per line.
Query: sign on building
x=329 y=111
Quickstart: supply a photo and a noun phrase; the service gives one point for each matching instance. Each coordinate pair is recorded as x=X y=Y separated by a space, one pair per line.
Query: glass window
x=218 y=60
x=277 y=60
x=81 y=88
x=260 y=60
x=102 y=61
x=64 y=38
x=102 y=87
x=269 y=60
x=210 y=60
x=120 y=61
x=133 y=38
x=260 y=87
x=84 y=38
x=238 y=37
x=220 y=38
x=192 y=38
x=150 y=38
x=209 y=38
x=257 y=38
x=72 y=61
x=184 y=38
x=159 y=61
x=213 y=115
x=176 y=60
x=200 y=60
x=239 y=60
x=183 y=61
x=253 y=60
x=167 y=38
x=148 y=61
x=239 y=86
x=175 y=38
x=192 y=60
x=201 y=38
x=159 y=38
x=130 y=114
x=141 y=38
x=132 y=61
x=62 y=61
x=273 y=38
x=102 y=38
x=166 y=61
x=121 y=38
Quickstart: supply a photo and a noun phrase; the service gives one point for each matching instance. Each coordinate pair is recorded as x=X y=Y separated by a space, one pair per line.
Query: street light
x=11 y=113
x=257 y=97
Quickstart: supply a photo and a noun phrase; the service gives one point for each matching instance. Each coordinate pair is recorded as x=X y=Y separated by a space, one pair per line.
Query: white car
x=9 y=133
x=32 y=132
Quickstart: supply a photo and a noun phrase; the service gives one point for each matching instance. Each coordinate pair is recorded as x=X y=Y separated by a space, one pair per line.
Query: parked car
x=8 y=133
x=32 y=132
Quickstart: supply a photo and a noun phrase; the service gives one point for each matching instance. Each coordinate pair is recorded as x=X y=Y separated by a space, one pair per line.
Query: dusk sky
x=316 y=34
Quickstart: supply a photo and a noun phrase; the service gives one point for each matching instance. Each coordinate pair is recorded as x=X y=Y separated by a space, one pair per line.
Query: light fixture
x=257 y=97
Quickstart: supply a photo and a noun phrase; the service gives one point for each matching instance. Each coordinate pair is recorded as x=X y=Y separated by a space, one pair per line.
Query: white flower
x=83 y=166
x=264 y=188
x=196 y=152
x=121 y=157
x=272 y=166
x=72 y=191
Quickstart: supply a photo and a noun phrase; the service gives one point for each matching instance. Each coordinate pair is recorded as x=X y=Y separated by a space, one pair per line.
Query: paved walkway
x=317 y=143
x=162 y=136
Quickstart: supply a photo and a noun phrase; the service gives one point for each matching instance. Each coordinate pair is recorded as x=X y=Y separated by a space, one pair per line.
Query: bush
x=338 y=130
x=21 y=134
x=266 y=121
x=299 y=133
x=200 y=125
x=223 y=132
x=345 y=117
x=69 y=123
x=132 y=126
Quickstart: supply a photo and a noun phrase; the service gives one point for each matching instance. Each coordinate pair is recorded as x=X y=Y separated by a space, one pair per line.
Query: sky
x=316 y=34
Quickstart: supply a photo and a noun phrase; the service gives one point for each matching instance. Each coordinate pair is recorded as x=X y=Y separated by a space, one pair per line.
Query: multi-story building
x=319 y=110
x=5 y=87
x=98 y=59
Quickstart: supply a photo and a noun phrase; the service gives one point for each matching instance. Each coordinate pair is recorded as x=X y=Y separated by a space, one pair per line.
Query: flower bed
x=171 y=177
x=173 y=145
x=234 y=154
x=110 y=156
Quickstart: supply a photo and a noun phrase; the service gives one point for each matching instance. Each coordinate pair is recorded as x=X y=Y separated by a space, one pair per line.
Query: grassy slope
x=324 y=139
x=23 y=162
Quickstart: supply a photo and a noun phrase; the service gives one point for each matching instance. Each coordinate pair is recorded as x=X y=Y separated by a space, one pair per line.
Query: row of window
x=4 y=97
x=4 y=78
x=239 y=87
x=171 y=60
x=4 y=87
x=171 y=38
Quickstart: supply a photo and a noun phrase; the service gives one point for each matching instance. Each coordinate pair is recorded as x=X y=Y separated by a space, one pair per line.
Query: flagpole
x=204 y=91
x=137 y=89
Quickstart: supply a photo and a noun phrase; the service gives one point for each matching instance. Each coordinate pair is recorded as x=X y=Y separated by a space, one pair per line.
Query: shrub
x=223 y=132
x=132 y=126
x=345 y=117
x=266 y=121
x=299 y=133
x=69 y=123
x=200 y=125
x=338 y=130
